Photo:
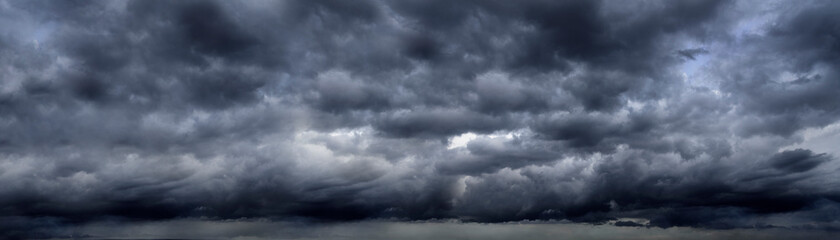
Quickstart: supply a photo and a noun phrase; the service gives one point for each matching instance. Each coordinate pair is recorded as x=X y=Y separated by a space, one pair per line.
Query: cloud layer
x=681 y=113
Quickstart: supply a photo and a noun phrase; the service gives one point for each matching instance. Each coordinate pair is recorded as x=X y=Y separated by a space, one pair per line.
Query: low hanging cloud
x=680 y=113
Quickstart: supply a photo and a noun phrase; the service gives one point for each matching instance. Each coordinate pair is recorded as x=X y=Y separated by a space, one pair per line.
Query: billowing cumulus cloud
x=651 y=113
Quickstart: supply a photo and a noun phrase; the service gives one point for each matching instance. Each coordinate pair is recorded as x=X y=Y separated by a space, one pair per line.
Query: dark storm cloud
x=488 y=111
x=692 y=53
x=208 y=30
x=798 y=160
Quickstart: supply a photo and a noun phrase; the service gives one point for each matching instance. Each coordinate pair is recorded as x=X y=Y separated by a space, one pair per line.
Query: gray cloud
x=686 y=114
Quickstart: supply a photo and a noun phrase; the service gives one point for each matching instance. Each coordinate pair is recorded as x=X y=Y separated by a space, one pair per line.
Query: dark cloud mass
x=707 y=114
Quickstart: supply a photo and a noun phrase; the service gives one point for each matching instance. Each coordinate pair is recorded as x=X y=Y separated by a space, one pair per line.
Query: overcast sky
x=692 y=115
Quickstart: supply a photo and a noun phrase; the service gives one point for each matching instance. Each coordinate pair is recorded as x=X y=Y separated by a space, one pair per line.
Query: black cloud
x=798 y=160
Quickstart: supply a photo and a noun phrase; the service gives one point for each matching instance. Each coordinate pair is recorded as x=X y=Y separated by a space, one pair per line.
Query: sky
x=453 y=119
